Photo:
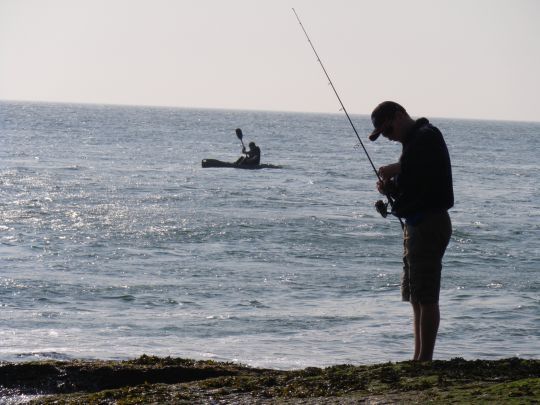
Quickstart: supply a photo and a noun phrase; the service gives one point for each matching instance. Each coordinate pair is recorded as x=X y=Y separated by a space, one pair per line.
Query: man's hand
x=387 y=187
x=387 y=172
x=382 y=187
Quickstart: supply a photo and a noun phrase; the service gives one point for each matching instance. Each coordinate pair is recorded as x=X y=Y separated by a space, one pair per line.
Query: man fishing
x=421 y=184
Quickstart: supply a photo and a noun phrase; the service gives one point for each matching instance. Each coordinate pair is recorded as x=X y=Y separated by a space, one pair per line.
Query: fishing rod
x=379 y=205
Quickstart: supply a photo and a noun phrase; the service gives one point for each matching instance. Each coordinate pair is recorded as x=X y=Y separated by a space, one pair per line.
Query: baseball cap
x=381 y=114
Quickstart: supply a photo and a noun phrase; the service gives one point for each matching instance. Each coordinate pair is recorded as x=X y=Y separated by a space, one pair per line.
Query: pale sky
x=439 y=58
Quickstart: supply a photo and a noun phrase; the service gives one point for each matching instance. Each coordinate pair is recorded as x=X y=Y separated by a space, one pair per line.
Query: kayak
x=219 y=163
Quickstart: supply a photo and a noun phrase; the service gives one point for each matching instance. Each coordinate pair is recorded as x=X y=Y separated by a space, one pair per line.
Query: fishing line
x=381 y=206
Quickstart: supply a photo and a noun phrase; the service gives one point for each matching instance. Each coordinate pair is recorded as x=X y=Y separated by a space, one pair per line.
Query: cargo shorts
x=424 y=246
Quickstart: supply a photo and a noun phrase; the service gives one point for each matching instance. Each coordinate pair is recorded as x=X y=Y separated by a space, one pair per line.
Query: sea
x=115 y=242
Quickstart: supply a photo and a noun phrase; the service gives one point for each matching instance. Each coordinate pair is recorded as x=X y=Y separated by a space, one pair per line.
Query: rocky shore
x=154 y=380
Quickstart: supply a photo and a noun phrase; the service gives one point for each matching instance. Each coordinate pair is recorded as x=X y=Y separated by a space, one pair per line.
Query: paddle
x=240 y=135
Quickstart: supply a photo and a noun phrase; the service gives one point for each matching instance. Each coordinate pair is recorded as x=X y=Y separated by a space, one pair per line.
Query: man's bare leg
x=416 y=329
x=426 y=326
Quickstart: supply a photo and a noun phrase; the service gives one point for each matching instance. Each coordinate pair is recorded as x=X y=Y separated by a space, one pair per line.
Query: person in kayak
x=252 y=158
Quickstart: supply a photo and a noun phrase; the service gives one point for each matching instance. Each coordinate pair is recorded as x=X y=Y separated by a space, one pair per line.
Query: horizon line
x=105 y=104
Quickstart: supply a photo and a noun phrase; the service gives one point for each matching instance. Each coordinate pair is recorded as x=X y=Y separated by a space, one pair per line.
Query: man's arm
x=389 y=171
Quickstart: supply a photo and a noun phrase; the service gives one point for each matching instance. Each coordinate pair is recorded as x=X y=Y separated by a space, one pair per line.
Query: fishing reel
x=382 y=208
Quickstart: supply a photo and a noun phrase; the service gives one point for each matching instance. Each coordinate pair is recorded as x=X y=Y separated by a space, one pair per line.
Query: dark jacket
x=253 y=156
x=425 y=182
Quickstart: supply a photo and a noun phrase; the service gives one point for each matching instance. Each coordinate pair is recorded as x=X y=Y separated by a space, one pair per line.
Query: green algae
x=171 y=380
